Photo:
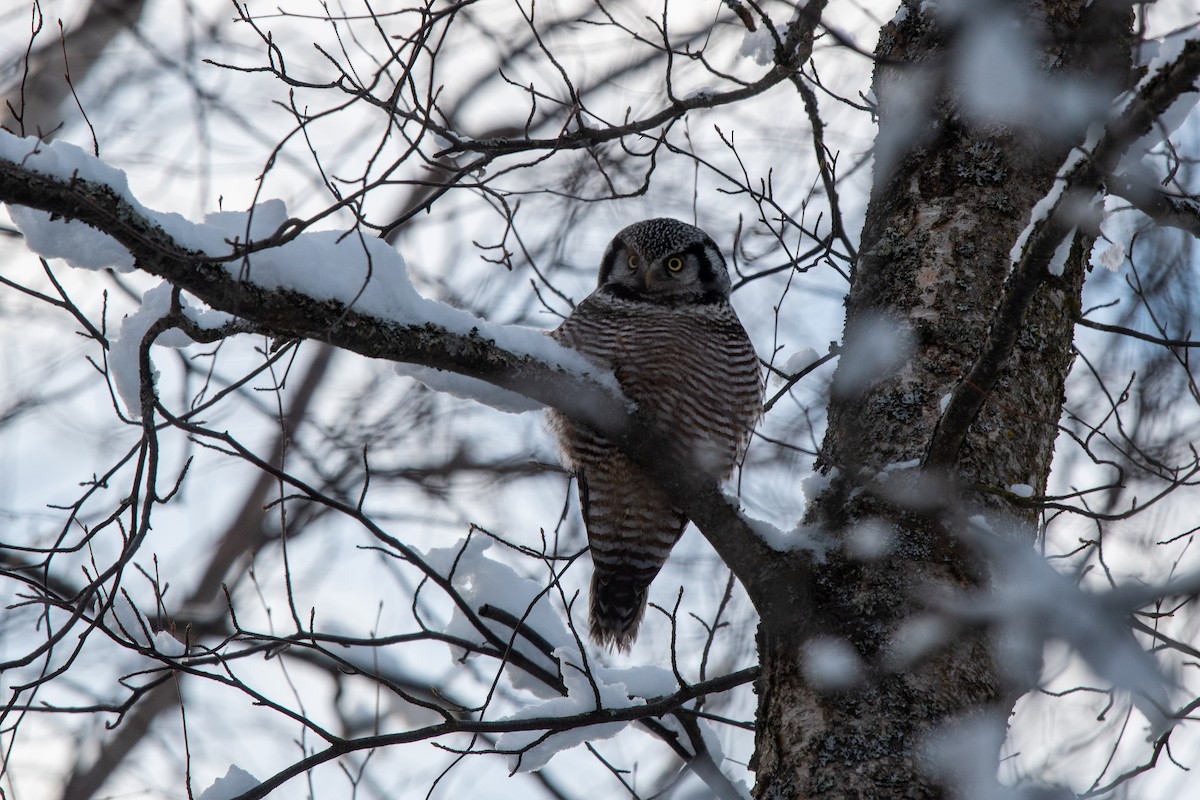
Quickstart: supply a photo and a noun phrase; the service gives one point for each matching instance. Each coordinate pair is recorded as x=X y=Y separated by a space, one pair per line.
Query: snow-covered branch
x=343 y=288
x=580 y=722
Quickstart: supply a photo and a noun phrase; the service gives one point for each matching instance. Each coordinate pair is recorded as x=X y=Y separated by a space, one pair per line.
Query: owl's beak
x=648 y=278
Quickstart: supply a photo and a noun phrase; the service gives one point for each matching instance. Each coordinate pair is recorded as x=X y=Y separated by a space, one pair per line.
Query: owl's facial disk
x=672 y=274
x=688 y=273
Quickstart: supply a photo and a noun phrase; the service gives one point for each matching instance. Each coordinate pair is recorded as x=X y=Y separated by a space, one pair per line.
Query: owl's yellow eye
x=633 y=261
x=674 y=263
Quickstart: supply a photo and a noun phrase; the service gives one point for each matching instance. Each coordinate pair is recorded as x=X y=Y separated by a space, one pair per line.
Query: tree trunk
x=952 y=193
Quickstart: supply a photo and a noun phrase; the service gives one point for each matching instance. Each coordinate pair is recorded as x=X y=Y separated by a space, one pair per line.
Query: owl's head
x=665 y=260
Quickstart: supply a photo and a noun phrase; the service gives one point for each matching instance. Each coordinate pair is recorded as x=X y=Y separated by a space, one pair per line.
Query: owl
x=661 y=321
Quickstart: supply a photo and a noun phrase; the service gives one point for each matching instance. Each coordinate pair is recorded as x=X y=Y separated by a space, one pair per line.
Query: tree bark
x=951 y=197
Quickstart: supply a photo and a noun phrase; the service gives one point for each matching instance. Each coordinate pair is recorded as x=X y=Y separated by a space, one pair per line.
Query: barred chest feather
x=691 y=366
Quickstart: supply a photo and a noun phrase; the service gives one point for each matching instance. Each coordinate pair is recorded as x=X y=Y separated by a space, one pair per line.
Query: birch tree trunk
x=952 y=193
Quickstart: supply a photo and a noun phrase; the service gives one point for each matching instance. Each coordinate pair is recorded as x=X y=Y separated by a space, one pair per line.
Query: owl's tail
x=618 y=602
x=631 y=527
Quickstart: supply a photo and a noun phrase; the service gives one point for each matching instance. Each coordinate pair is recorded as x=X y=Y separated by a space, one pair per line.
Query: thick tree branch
x=289 y=314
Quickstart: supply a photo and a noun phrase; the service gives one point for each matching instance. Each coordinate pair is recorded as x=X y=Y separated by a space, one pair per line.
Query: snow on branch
x=588 y=689
x=479 y=579
x=160 y=303
x=342 y=287
x=345 y=288
x=642 y=712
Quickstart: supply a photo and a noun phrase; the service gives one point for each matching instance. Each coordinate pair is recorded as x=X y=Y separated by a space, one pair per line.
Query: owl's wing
x=584 y=504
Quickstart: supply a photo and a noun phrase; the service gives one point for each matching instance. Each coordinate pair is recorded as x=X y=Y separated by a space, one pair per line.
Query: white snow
x=79 y=245
x=1157 y=56
x=480 y=579
x=265 y=219
x=885 y=474
x=1044 y=207
x=359 y=271
x=618 y=688
x=814 y=485
x=235 y=782
x=167 y=645
x=62 y=159
x=1169 y=121
x=1059 y=260
x=1021 y=489
x=830 y=664
x=775 y=538
x=808 y=538
x=469 y=388
x=1166 y=124
x=800 y=360
x=1116 y=231
x=759 y=45
x=123 y=362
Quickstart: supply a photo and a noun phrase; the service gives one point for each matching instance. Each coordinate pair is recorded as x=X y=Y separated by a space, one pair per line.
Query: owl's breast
x=691 y=367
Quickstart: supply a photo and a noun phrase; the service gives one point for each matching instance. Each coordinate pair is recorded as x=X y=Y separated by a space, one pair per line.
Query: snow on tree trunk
x=957 y=178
